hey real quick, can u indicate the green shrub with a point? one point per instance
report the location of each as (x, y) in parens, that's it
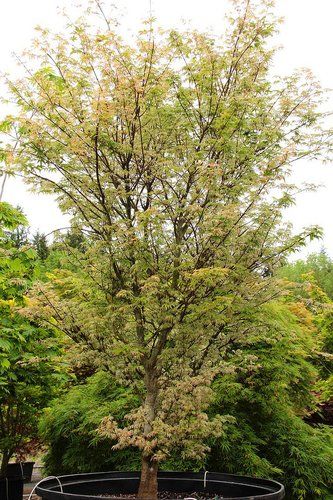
(268, 392)
(269, 401)
(277, 444)
(69, 426)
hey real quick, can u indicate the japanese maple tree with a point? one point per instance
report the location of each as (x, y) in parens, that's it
(172, 154)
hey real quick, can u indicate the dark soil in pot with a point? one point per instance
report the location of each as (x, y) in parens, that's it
(168, 495)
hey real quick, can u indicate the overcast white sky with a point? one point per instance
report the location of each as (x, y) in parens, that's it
(307, 41)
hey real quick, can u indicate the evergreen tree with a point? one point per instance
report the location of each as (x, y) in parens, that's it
(40, 244)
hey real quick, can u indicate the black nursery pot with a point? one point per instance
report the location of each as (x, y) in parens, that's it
(20, 469)
(108, 484)
(11, 488)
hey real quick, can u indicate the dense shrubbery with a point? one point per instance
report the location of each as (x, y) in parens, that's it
(270, 437)
(311, 290)
(30, 355)
(69, 428)
(267, 391)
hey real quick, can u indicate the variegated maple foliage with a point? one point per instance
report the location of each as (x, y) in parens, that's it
(172, 153)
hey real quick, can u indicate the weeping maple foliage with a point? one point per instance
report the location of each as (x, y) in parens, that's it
(172, 153)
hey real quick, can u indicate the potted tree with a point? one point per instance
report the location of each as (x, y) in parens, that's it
(171, 154)
(22, 465)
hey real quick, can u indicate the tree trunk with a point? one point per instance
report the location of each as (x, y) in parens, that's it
(4, 462)
(148, 480)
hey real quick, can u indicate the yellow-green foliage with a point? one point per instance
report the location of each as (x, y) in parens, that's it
(172, 154)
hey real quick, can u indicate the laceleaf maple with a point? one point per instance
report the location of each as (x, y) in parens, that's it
(172, 153)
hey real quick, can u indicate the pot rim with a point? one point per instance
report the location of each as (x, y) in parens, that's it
(272, 490)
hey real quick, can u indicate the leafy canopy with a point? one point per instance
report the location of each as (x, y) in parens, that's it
(172, 154)
(29, 366)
